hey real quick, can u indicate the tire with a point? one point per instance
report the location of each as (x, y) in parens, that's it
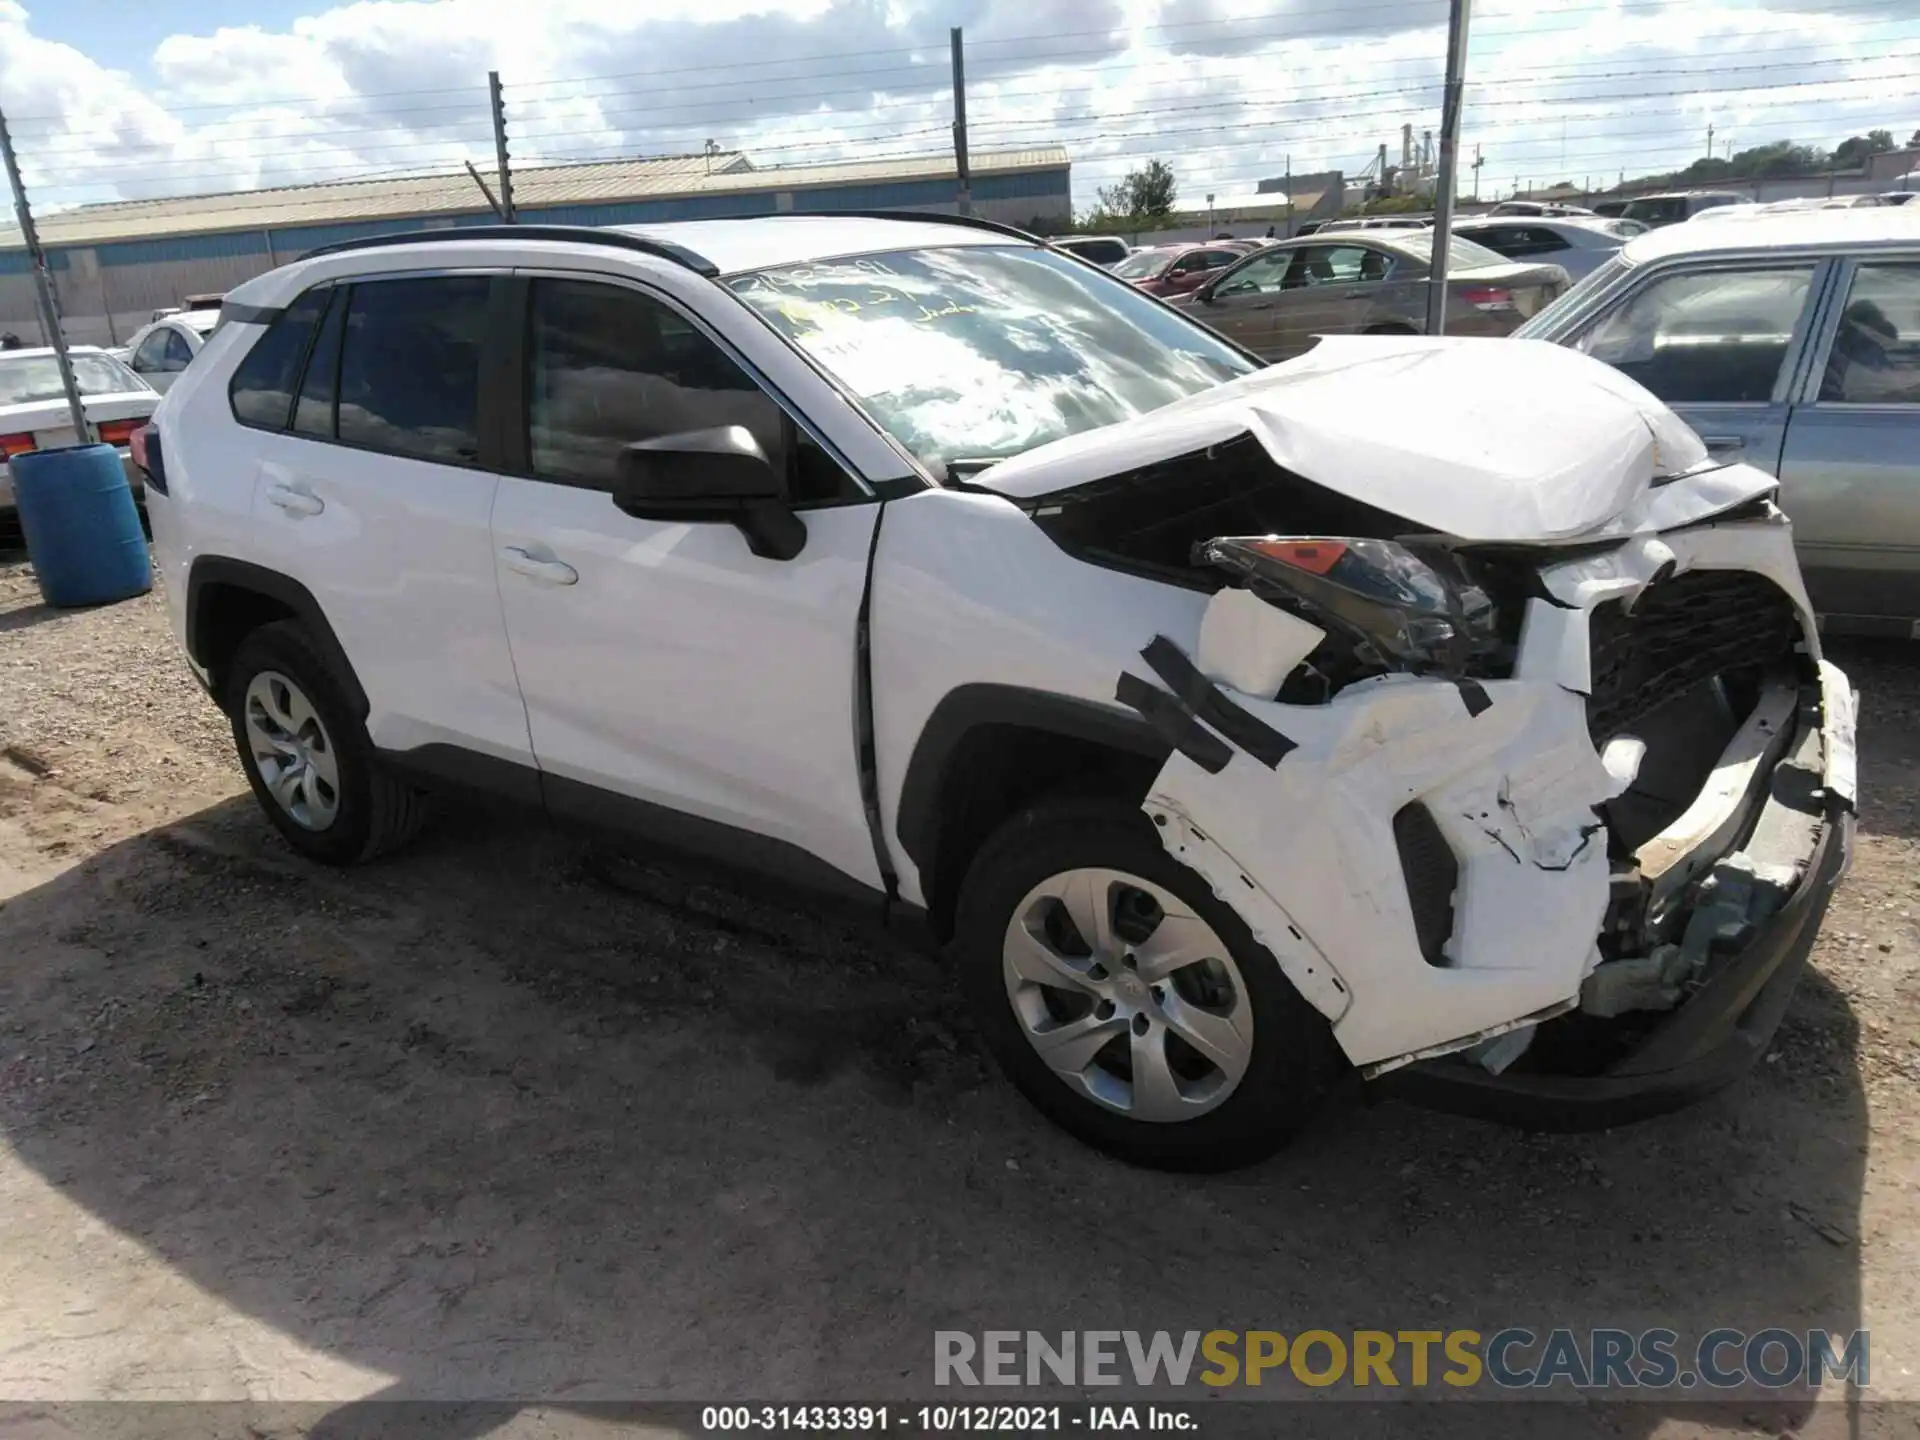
(342, 807)
(1213, 1120)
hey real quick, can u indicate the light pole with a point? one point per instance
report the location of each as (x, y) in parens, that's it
(1447, 181)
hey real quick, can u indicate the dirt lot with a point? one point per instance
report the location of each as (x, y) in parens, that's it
(507, 1117)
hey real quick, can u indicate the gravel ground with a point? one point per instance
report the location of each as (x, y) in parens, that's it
(509, 1117)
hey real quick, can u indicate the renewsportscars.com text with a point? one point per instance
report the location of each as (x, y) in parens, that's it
(1511, 1359)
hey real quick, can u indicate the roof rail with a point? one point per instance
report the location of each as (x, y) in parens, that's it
(578, 234)
(927, 217)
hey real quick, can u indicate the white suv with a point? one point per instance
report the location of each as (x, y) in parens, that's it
(1416, 701)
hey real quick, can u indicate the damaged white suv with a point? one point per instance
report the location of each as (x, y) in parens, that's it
(1237, 728)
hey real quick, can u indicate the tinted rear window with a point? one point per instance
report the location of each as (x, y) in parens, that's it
(262, 390)
(410, 367)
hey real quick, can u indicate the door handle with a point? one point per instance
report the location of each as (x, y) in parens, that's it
(1724, 442)
(1354, 295)
(296, 500)
(534, 567)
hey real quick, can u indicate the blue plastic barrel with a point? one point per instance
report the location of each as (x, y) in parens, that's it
(83, 532)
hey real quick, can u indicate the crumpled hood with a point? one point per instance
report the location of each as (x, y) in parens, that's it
(1484, 440)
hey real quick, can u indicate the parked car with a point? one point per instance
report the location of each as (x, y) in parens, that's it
(1658, 210)
(160, 350)
(1379, 222)
(1898, 197)
(1575, 245)
(1176, 269)
(1791, 342)
(1278, 301)
(1538, 207)
(1103, 250)
(34, 413)
(1610, 209)
(917, 562)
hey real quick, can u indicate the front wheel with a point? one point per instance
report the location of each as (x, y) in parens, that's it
(1126, 1001)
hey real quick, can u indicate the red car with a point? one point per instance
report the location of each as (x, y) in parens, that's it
(1176, 269)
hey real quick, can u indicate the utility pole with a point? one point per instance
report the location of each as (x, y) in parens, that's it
(1477, 163)
(1209, 215)
(505, 206)
(1709, 140)
(43, 290)
(1446, 180)
(1290, 194)
(961, 172)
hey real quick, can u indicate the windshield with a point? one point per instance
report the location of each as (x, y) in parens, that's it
(36, 377)
(981, 352)
(1143, 264)
(1461, 254)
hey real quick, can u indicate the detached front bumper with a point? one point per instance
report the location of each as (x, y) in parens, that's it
(1705, 1044)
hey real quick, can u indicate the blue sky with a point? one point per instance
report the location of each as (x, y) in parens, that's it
(124, 99)
(123, 34)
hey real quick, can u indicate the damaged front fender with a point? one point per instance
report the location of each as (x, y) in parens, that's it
(1435, 862)
(1308, 852)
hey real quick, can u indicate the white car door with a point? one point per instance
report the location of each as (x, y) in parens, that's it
(674, 680)
(371, 492)
(159, 354)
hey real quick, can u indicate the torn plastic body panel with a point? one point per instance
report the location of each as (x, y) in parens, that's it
(1558, 877)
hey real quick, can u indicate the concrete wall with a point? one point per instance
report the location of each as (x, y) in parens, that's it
(106, 292)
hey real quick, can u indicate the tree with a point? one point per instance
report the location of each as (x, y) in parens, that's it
(1915, 141)
(1854, 151)
(1144, 194)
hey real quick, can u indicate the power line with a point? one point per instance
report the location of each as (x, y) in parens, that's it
(935, 71)
(1549, 75)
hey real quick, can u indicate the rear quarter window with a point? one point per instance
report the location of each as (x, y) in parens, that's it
(261, 392)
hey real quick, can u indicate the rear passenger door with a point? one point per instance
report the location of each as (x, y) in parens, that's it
(675, 682)
(1724, 345)
(374, 491)
(1850, 474)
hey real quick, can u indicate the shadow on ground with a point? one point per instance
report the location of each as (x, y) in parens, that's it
(508, 1121)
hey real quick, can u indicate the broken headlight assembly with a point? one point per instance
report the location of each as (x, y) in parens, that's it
(1386, 605)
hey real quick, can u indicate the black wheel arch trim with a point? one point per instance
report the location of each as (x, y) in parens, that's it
(222, 570)
(967, 708)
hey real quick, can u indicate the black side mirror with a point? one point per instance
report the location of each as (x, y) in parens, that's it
(718, 474)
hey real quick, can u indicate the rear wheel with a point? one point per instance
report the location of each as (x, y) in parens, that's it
(307, 755)
(1126, 1001)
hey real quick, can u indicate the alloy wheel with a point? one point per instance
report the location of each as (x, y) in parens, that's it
(292, 750)
(1127, 995)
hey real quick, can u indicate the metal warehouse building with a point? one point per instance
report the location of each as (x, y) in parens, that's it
(115, 264)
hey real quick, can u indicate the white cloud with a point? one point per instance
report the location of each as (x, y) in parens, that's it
(1225, 90)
